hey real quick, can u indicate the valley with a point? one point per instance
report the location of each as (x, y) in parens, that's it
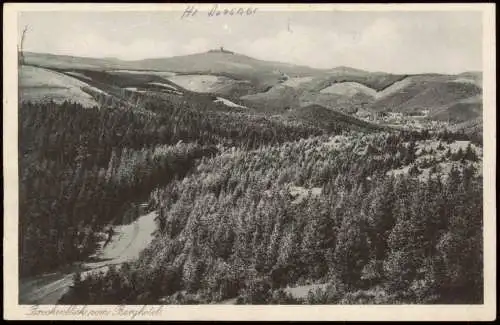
(232, 180)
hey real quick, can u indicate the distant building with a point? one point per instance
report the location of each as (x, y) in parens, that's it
(220, 50)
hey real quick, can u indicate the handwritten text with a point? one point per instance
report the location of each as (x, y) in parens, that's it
(216, 11)
(126, 312)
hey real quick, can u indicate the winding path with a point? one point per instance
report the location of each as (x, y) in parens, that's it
(126, 245)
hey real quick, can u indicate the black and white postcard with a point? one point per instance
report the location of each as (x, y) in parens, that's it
(249, 161)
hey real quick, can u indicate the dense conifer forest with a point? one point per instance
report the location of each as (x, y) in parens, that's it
(250, 205)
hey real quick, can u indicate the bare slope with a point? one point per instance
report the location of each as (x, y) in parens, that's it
(39, 84)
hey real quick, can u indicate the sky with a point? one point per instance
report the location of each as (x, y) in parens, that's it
(388, 41)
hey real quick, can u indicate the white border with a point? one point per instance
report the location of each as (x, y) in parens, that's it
(484, 312)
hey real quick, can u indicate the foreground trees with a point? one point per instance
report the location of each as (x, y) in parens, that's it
(81, 169)
(240, 227)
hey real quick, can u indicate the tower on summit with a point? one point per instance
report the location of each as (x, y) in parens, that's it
(221, 50)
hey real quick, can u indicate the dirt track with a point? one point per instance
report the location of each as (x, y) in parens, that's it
(125, 245)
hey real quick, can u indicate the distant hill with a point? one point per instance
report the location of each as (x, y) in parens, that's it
(71, 62)
(258, 74)
(472, 76)
(445, 97)
(223, 62)
(460, 111)
(347, 70)
(328, 119)
(343, 89)
(474, 126)
(39, 85)
(245, 75)
(279, 87)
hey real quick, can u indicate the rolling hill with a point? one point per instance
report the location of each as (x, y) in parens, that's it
(224, 62)
(424, 92)
(471, 127)
(39, 84)
(328, 119)
(460, 111)
(71, 62)
(275, 87)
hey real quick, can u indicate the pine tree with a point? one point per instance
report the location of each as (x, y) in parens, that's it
(381, 216)
(402, 262)
(351, 250)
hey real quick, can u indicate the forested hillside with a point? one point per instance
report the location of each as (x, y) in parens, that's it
(253, 203)
(82, 168)
(245, 224)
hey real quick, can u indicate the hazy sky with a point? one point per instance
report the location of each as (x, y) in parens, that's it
(400, 42)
